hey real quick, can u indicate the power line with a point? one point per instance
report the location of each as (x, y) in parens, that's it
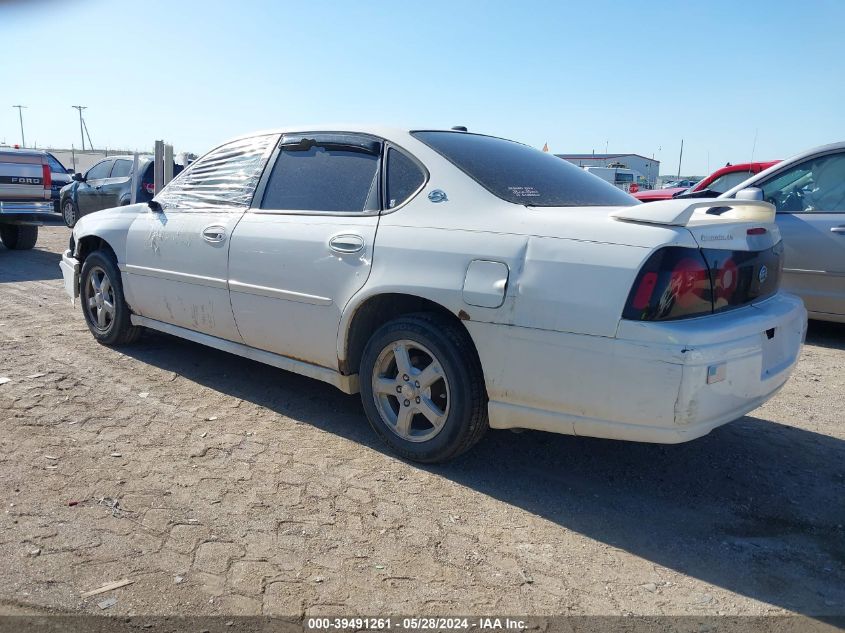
(20, 116)
(81, 134)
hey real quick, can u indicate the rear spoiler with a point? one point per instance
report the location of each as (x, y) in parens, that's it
(679, 212)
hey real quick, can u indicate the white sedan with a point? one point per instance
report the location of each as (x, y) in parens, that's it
(458, 281)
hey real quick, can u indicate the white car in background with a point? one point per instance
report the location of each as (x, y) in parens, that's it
(457, 280)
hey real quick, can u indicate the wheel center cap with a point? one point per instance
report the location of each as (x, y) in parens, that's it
(409, 391)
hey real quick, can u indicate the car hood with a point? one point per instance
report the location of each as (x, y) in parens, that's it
(124, 215)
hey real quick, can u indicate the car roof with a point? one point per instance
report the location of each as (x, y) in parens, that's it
(387, 132)
(128, 157)
(28, 152)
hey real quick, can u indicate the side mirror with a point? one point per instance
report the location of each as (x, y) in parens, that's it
(749, 193)
(78, 177)
(155, 207)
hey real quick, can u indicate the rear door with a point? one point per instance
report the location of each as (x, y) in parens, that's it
(88, 197)
(116, 184)
(810, 201)
(306, 246)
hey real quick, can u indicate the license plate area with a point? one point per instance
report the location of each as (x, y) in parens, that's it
(776, 352)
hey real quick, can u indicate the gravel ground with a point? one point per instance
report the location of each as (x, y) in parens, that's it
(222, 486)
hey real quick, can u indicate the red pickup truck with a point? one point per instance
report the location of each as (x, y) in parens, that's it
(716, 183)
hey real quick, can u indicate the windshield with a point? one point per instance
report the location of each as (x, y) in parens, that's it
(521, 174)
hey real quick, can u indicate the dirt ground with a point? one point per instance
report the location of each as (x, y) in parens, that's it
(222, 486)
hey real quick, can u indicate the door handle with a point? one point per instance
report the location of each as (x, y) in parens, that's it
(346, 243)
(838, 229)
(214, 234)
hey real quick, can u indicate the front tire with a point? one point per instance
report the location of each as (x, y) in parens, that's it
(103, 305)
(422, 388)
(70, 214)
(18, 237)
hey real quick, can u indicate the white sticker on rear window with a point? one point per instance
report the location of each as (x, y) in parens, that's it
(524, 192)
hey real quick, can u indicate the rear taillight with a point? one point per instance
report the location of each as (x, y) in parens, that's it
(46, 176)
(674, 283)
(678, 283)
(740, 277)
(149, 187)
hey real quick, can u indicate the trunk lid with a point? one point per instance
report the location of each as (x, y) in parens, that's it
(735, 225)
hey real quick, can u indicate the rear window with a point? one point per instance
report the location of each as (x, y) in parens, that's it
(521, 174)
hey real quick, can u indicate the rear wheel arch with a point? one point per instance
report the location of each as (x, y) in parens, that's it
(377, 310)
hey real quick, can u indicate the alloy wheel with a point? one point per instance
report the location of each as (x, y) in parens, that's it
(69, 213)
(99, 299)
(411, 391)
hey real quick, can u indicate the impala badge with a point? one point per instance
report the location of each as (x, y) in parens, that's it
(438, 195)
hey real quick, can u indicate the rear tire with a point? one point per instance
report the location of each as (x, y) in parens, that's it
(103, 305)
(423, 389)
(18, 237)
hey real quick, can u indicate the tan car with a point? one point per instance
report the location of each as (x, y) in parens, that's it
(808, 191)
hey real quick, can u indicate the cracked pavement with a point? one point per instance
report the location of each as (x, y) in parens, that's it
(222, 486)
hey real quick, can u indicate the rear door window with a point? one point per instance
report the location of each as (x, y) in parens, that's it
(404, 178)
(55, 166)
(324, 175)
(121, 168)
(521, 174)
(728, 181)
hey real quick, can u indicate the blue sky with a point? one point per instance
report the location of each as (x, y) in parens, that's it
(632, 76)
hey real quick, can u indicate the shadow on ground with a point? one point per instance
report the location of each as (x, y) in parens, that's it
(826, 334)
(29, 265)
(755, 507)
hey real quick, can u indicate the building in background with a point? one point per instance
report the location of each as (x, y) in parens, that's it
(648, 167)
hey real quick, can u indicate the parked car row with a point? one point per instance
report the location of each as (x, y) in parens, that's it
(715, 184)
(457, 281)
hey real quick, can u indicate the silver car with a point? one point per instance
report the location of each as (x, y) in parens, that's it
(808, 191)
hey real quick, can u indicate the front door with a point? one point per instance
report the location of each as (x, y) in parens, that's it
(810, 201)
(306, 247)
(177, 258)
(88, 192)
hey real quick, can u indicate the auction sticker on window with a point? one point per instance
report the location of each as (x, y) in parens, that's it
(524, 192)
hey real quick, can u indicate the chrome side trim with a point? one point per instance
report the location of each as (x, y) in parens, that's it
(278, 293)
(347, 384)
(172, 275)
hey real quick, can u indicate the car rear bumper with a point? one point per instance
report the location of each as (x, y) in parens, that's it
(26, 211)
(655, 382)
(70, 273)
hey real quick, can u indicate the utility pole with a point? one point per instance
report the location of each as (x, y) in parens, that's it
(81, 133)
(680, 158)
(20, 116)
